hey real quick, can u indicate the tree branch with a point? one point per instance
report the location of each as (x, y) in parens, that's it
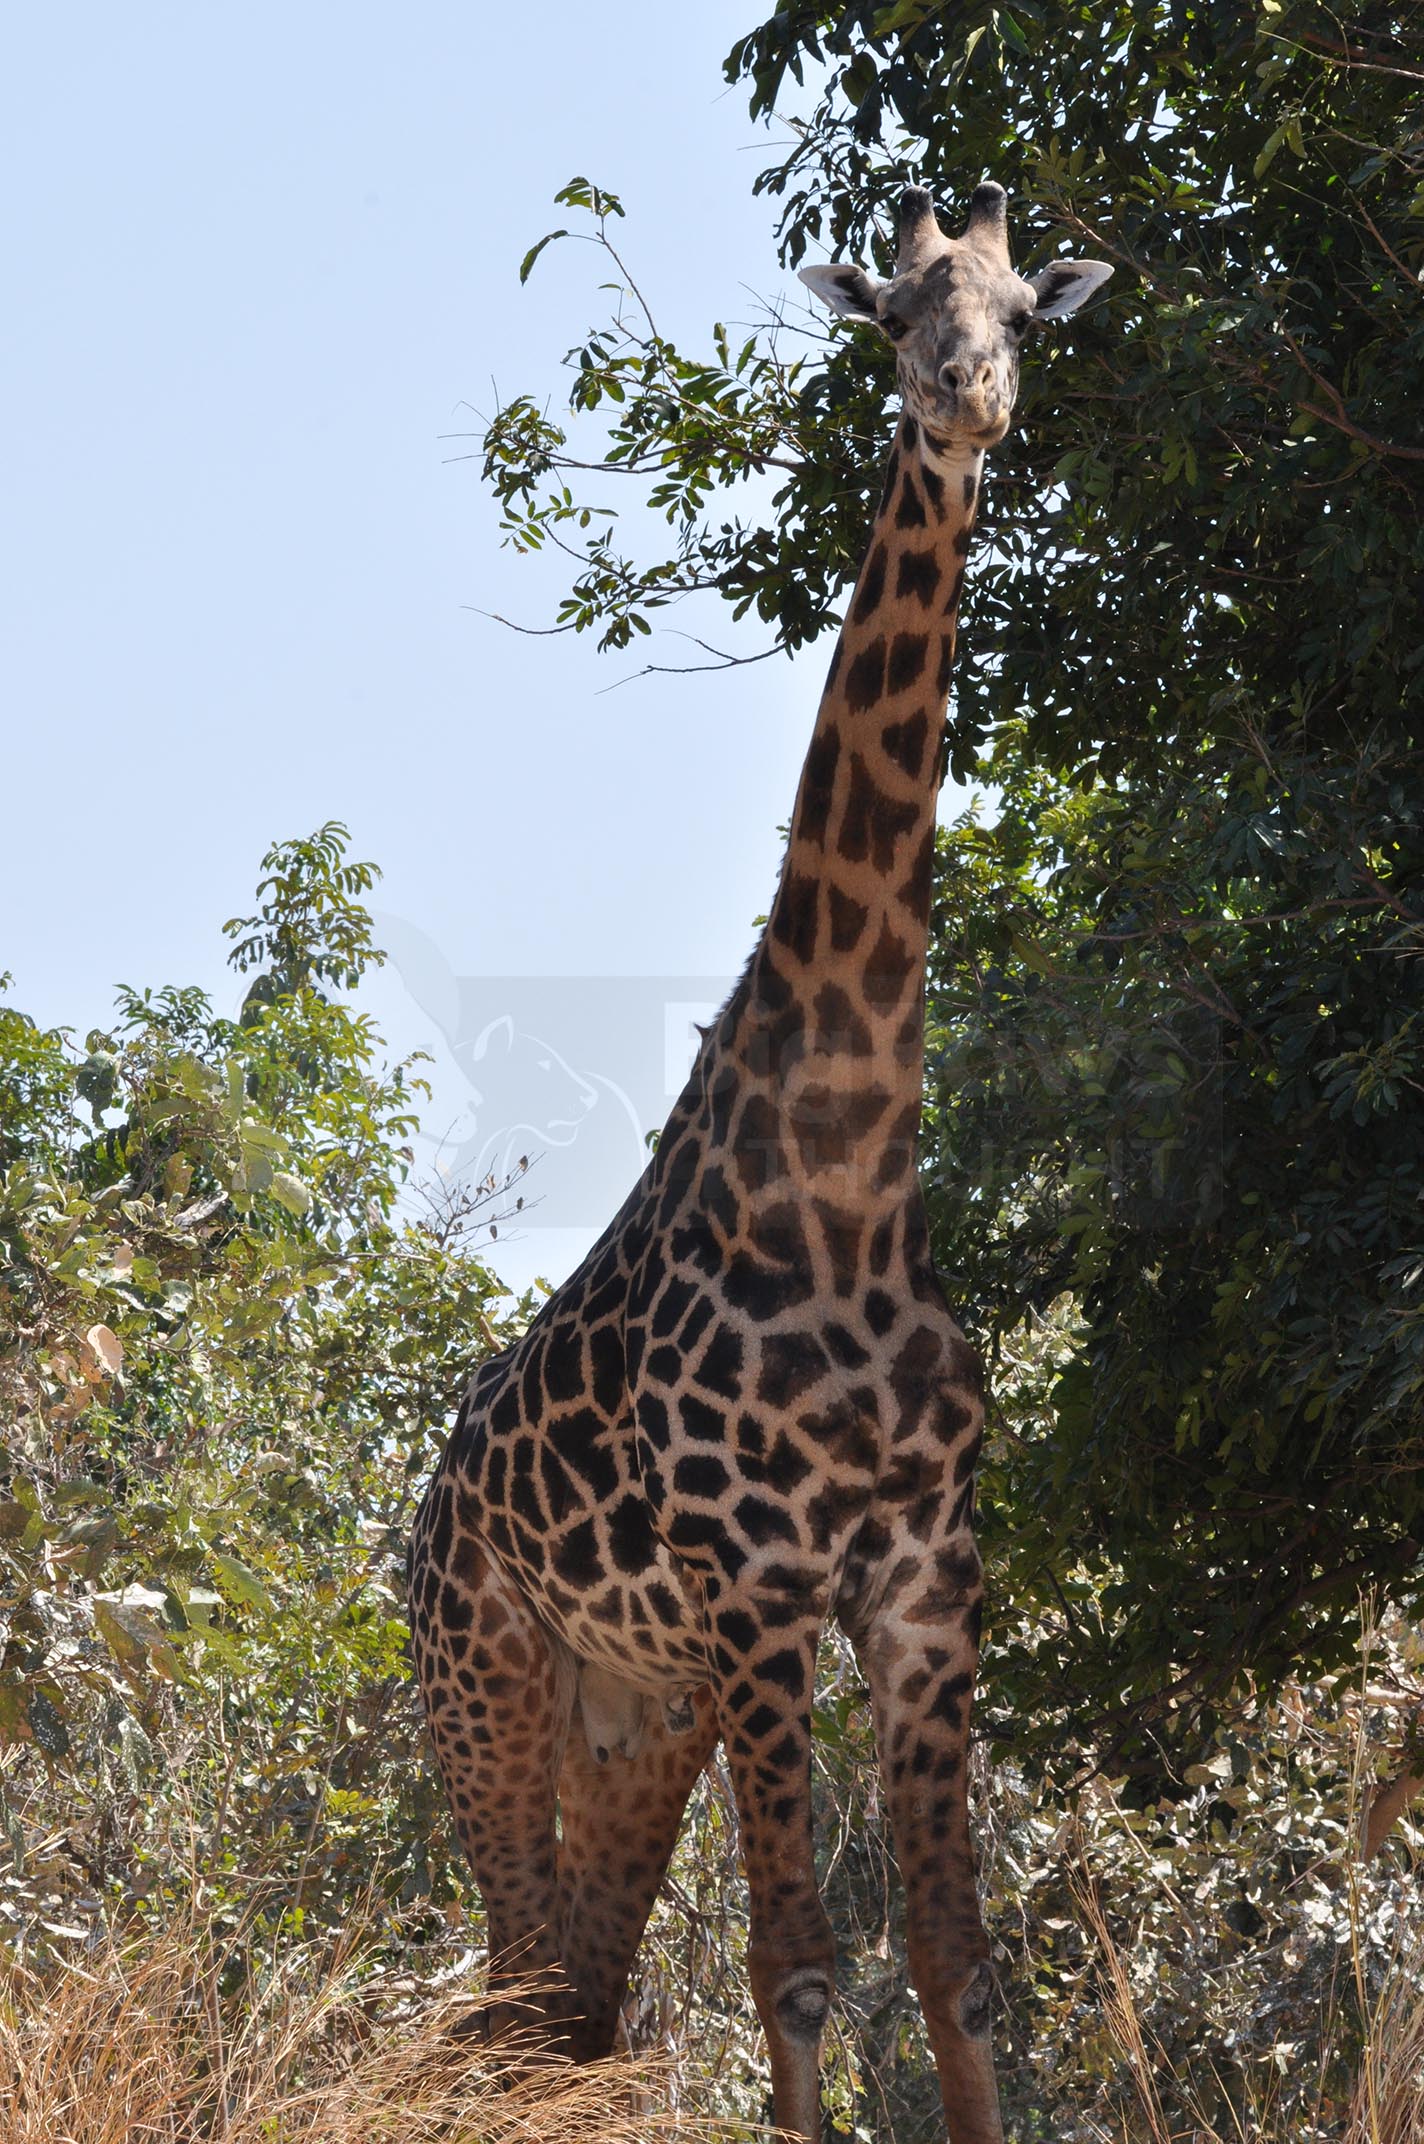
(1341, 419)
(1342, 55)
(535, 632)
(723, 662)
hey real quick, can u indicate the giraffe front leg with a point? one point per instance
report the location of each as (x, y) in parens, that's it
(919, 1653)
(761, 1645)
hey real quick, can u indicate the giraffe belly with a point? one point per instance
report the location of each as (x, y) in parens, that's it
(642, 1632)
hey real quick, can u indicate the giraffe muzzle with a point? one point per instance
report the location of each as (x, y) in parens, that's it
(973, 409)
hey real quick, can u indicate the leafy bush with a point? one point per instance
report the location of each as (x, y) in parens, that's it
(229, 1346)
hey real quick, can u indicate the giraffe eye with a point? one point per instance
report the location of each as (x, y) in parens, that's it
(894, 326)
(1020, 323)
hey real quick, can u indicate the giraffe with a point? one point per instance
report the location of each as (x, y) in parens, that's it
(750, 1408)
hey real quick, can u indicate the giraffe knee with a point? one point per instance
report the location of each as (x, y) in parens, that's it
(804, 2004)
(976, 2004)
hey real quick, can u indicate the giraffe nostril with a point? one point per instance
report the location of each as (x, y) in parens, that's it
(958, 374)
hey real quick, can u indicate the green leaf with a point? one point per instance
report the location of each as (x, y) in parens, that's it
(859, 78)
(96, 1081)
(127, 1644)
(291, 1192)
(14, 1709)
(240, 1585)
(535, 250)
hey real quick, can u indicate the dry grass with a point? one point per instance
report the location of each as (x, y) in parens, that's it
(1388, 2103)
(134, 2044)
(1389, 2089)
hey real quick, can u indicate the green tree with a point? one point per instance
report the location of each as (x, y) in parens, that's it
(1176, 1152)
(232, 1335)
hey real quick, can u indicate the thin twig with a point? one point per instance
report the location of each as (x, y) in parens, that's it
(535, 632)
(724, 662)
(1341, 56)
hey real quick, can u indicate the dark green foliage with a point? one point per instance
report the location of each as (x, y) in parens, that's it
(1171, 1129)
(1216, 478)
(1177, 1150)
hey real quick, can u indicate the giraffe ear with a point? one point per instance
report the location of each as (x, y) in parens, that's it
(846, 288)
(1062, 287)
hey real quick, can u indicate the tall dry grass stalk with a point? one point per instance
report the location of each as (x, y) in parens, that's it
(1120, 2008)
(1389, 2087)
(1388, 2100)
(134, 2044)
(1387, 2105)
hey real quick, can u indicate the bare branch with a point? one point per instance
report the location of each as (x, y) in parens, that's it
(535, 632)
(723, 662)
(1341, 55)
(1341, 419)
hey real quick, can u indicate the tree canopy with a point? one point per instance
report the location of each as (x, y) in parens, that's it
(1175, 1152)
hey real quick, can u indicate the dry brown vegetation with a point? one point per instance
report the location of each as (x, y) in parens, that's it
(1386, 2104)
(138, 2042)
(1170, 1978)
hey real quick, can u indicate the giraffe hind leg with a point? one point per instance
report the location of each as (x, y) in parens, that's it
(620, 1821)
(498, 1694)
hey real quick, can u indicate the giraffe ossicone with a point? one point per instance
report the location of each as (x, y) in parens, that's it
(750, 1408)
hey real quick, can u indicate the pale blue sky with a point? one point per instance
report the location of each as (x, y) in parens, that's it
(257, 260)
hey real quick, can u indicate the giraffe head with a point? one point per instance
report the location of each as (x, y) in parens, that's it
(957, 313)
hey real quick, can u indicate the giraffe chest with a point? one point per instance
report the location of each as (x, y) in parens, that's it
(777, 1429)
(725, 1414)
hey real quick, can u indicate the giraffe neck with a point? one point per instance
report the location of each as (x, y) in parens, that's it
(833, 1017)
